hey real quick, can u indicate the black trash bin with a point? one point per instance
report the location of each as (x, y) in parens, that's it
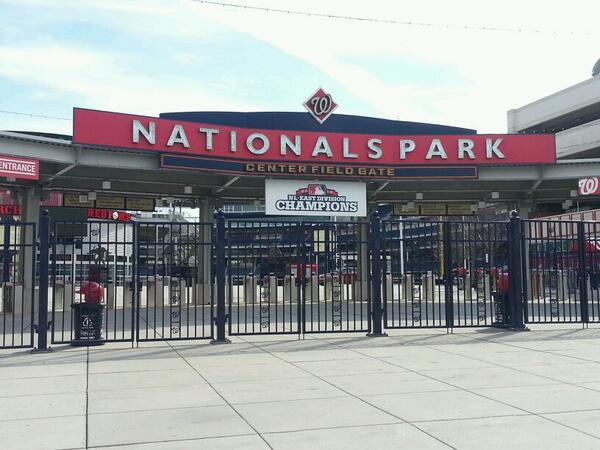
(88, 318)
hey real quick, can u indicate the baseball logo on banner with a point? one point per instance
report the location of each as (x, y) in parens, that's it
(588, 186)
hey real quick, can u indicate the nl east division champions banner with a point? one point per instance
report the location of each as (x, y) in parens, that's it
(315, 198)
(222, 148)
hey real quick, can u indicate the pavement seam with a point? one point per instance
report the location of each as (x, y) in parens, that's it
(220, 395)
(514, 368)
(341, 427)
(128, 444)
(547, 352)
(41, 418)
(355, 397)
(87, 403)
(475, 393)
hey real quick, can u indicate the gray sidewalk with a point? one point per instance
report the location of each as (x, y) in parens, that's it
(415, 390)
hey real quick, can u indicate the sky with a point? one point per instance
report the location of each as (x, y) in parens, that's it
(462, 63)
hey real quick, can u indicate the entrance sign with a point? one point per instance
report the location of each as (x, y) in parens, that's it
(225, 148)
(589, 186)
(315, 198)
(21, 168)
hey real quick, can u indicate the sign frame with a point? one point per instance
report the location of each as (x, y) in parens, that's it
(315, 198)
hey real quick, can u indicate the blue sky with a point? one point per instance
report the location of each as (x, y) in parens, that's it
(148, 56)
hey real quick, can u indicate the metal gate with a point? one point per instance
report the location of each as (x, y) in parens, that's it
(292, 277)
(158, 280)
(561, 271)
(18, 288)
(86, 254)
(443, 273)
(155, 279)
(174, 284)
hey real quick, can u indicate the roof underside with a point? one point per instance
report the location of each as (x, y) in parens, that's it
(68, 167)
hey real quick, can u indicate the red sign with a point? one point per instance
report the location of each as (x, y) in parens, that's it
(589, 186)
(10, 210)
(26, 169)
(221, 142)
(108, 214)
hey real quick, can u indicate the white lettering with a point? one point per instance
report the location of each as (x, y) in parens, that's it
(346, 149)
(493, 149)
(406, 146)
(250, 143)
(233, 142)
(295, 147)
(322, 147)
(465, 146)
(374, 148)
(149, 134)
(209, 136)
(178, 137)
(436, 149)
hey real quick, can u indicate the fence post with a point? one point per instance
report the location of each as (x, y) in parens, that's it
(515, 273)
(220, 266)
(376, 311)
(448, 281)
(582, 272)
(42, 325)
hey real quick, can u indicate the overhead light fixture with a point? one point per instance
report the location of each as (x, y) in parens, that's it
(106, 184)
(481, 204)
(574, 193)
(569, 203)
(91, 195)
(11, 179)
(495, 195)
(473, 207)
(419, 196)
(410, 205)
(83, 199)
(187, 190)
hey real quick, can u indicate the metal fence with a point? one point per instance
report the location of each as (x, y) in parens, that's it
(18, 289)
(155, 278)
(174, 283)
(442, 273)
(296, 277)
(164, 281)
(561, 271)
(90, 252)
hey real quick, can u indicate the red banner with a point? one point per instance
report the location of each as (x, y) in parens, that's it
(22, 168)
(117, 130)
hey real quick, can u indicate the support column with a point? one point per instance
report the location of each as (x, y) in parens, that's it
(524, 209)
(376, 306)
(362, 263)
(30, 212)
(221, 319)
(204, 276)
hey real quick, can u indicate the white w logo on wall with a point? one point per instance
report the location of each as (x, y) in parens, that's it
(588, 186)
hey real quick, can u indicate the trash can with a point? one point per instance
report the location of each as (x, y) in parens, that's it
(88, 318)
(88, 315)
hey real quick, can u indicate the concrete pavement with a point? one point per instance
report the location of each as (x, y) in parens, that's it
(414, 389)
